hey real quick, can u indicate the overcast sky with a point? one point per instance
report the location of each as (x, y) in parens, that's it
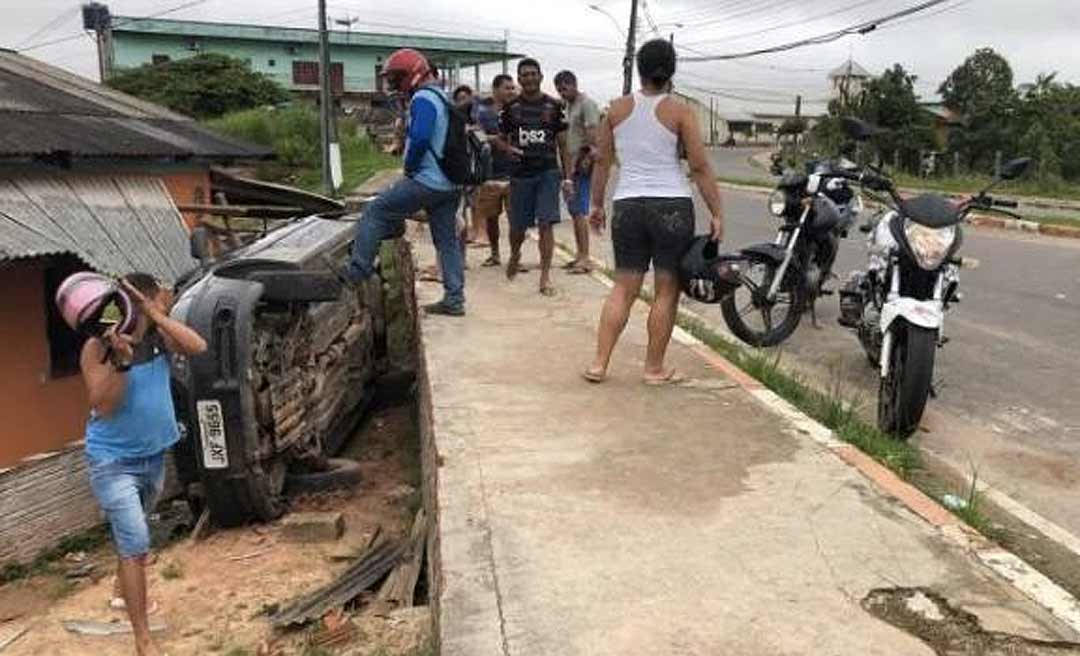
(1035, 35)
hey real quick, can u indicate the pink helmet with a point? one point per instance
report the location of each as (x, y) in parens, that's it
(83, 299)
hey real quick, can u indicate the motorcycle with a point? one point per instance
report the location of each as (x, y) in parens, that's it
(815, 208)
(897, 306)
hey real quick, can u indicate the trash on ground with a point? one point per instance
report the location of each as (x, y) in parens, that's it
(953, 502)
(95, 628)
(372, 567)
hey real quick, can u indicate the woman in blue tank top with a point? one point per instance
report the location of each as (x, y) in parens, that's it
(131, 425)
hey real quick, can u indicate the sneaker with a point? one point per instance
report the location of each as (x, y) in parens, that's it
(441, 308)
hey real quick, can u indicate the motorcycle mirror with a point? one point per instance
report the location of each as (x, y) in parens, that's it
(857, 129)
(1014, 168)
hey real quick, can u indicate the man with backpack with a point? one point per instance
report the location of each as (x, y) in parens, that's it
(436, 145)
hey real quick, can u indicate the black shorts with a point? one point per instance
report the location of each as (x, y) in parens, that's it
(656, 230)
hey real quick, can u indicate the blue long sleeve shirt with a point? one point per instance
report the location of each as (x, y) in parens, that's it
(426, 139)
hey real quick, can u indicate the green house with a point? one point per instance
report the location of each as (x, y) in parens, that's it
(291, 55)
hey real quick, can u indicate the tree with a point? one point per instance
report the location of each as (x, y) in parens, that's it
(981, 91)
(889, 101)
(792, 126)
(205, 86)
(1048, 122)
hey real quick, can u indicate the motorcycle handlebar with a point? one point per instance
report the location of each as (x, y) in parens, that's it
(1012, 204)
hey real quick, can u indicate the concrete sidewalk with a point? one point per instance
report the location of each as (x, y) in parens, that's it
(623, 519)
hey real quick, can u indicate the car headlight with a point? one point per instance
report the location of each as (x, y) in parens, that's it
(930, 246)
(777, 203)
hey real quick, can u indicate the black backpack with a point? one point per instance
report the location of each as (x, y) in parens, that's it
(466, 157)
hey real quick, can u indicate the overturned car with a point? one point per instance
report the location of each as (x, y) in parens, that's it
(294, 350)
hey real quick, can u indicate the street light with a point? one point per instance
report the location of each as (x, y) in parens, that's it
(614, 21)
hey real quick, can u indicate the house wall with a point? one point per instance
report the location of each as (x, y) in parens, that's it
(189, 187)
(273, 59)
(40, 413)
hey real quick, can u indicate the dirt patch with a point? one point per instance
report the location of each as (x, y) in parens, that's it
(950, 631)
(214, 594)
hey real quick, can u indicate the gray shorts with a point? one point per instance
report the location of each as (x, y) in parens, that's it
(652, 230)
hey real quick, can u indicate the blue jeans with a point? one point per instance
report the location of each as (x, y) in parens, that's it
(126, 490)
(384, 218)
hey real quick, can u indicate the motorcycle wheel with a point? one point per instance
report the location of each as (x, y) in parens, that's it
(748, 301)
(903, 393)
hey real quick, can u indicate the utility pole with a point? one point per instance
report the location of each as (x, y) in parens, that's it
(798, 119)
(506, 49)
(331, 155)
(628, 60)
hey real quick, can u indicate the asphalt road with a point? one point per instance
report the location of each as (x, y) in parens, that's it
(735, 163)
(1009, 380)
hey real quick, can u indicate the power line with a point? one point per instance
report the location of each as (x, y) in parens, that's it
(53, 23)
(72, 37)
(796, 23)
(864, 27)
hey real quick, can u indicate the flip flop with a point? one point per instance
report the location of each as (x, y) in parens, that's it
(579, 270)
(491, 262)
(593, 377)
(570, 265)
(672, 377)
(118, 604)
(550, 292)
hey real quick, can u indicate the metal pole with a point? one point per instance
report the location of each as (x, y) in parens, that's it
(506, 51)
(628, 60)
(325, 109)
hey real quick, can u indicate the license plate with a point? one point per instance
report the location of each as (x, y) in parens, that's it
(212, 429)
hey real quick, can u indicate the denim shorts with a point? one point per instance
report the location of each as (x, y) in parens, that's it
(652, 230)
(535, 199)
(579, 202)
(127, 490)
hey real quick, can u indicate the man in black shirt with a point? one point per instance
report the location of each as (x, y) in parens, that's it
(533, 131)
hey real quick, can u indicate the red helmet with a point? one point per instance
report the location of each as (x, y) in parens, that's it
(405, 69)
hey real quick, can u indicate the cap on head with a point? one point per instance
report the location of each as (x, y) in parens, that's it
(405, 69)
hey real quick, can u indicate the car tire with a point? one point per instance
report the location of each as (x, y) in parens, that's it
(341, 474)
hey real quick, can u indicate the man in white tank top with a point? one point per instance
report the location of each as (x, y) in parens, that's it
(653, 222)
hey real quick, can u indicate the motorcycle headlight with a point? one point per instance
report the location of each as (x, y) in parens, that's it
(777, 203)
(930, 246)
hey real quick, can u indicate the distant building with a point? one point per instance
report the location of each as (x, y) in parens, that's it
(848, 79)
(945, 121)
(290, 55)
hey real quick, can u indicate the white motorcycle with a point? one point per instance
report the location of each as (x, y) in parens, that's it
(897, 306)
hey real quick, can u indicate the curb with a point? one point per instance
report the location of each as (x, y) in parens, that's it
(979, 221)
(1025, 578)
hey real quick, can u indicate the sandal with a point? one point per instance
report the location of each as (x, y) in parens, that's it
(579, 270)
(594, 377)
(491, 262)
(118, 604)
(672, 377)
(549, 291)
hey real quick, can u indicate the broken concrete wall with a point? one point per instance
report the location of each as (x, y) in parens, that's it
(47, 498)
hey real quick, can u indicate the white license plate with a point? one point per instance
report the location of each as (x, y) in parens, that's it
(212, 429)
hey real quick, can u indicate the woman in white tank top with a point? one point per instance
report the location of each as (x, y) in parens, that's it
(653, 220)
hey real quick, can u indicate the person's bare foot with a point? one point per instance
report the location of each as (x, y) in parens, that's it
(513, 267)
(147, 648)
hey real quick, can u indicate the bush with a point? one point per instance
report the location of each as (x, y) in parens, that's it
(203, 86)
(293, 133)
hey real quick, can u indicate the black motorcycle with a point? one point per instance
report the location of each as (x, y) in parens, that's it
(783, 279)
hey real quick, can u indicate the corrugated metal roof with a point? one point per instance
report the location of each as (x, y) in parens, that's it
(116, 224)
(46, 112)
(850, 68)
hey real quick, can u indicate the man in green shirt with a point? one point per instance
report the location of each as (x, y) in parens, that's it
(582, 119)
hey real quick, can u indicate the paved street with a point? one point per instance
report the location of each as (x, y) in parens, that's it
(735, 163)
(1008, 405)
